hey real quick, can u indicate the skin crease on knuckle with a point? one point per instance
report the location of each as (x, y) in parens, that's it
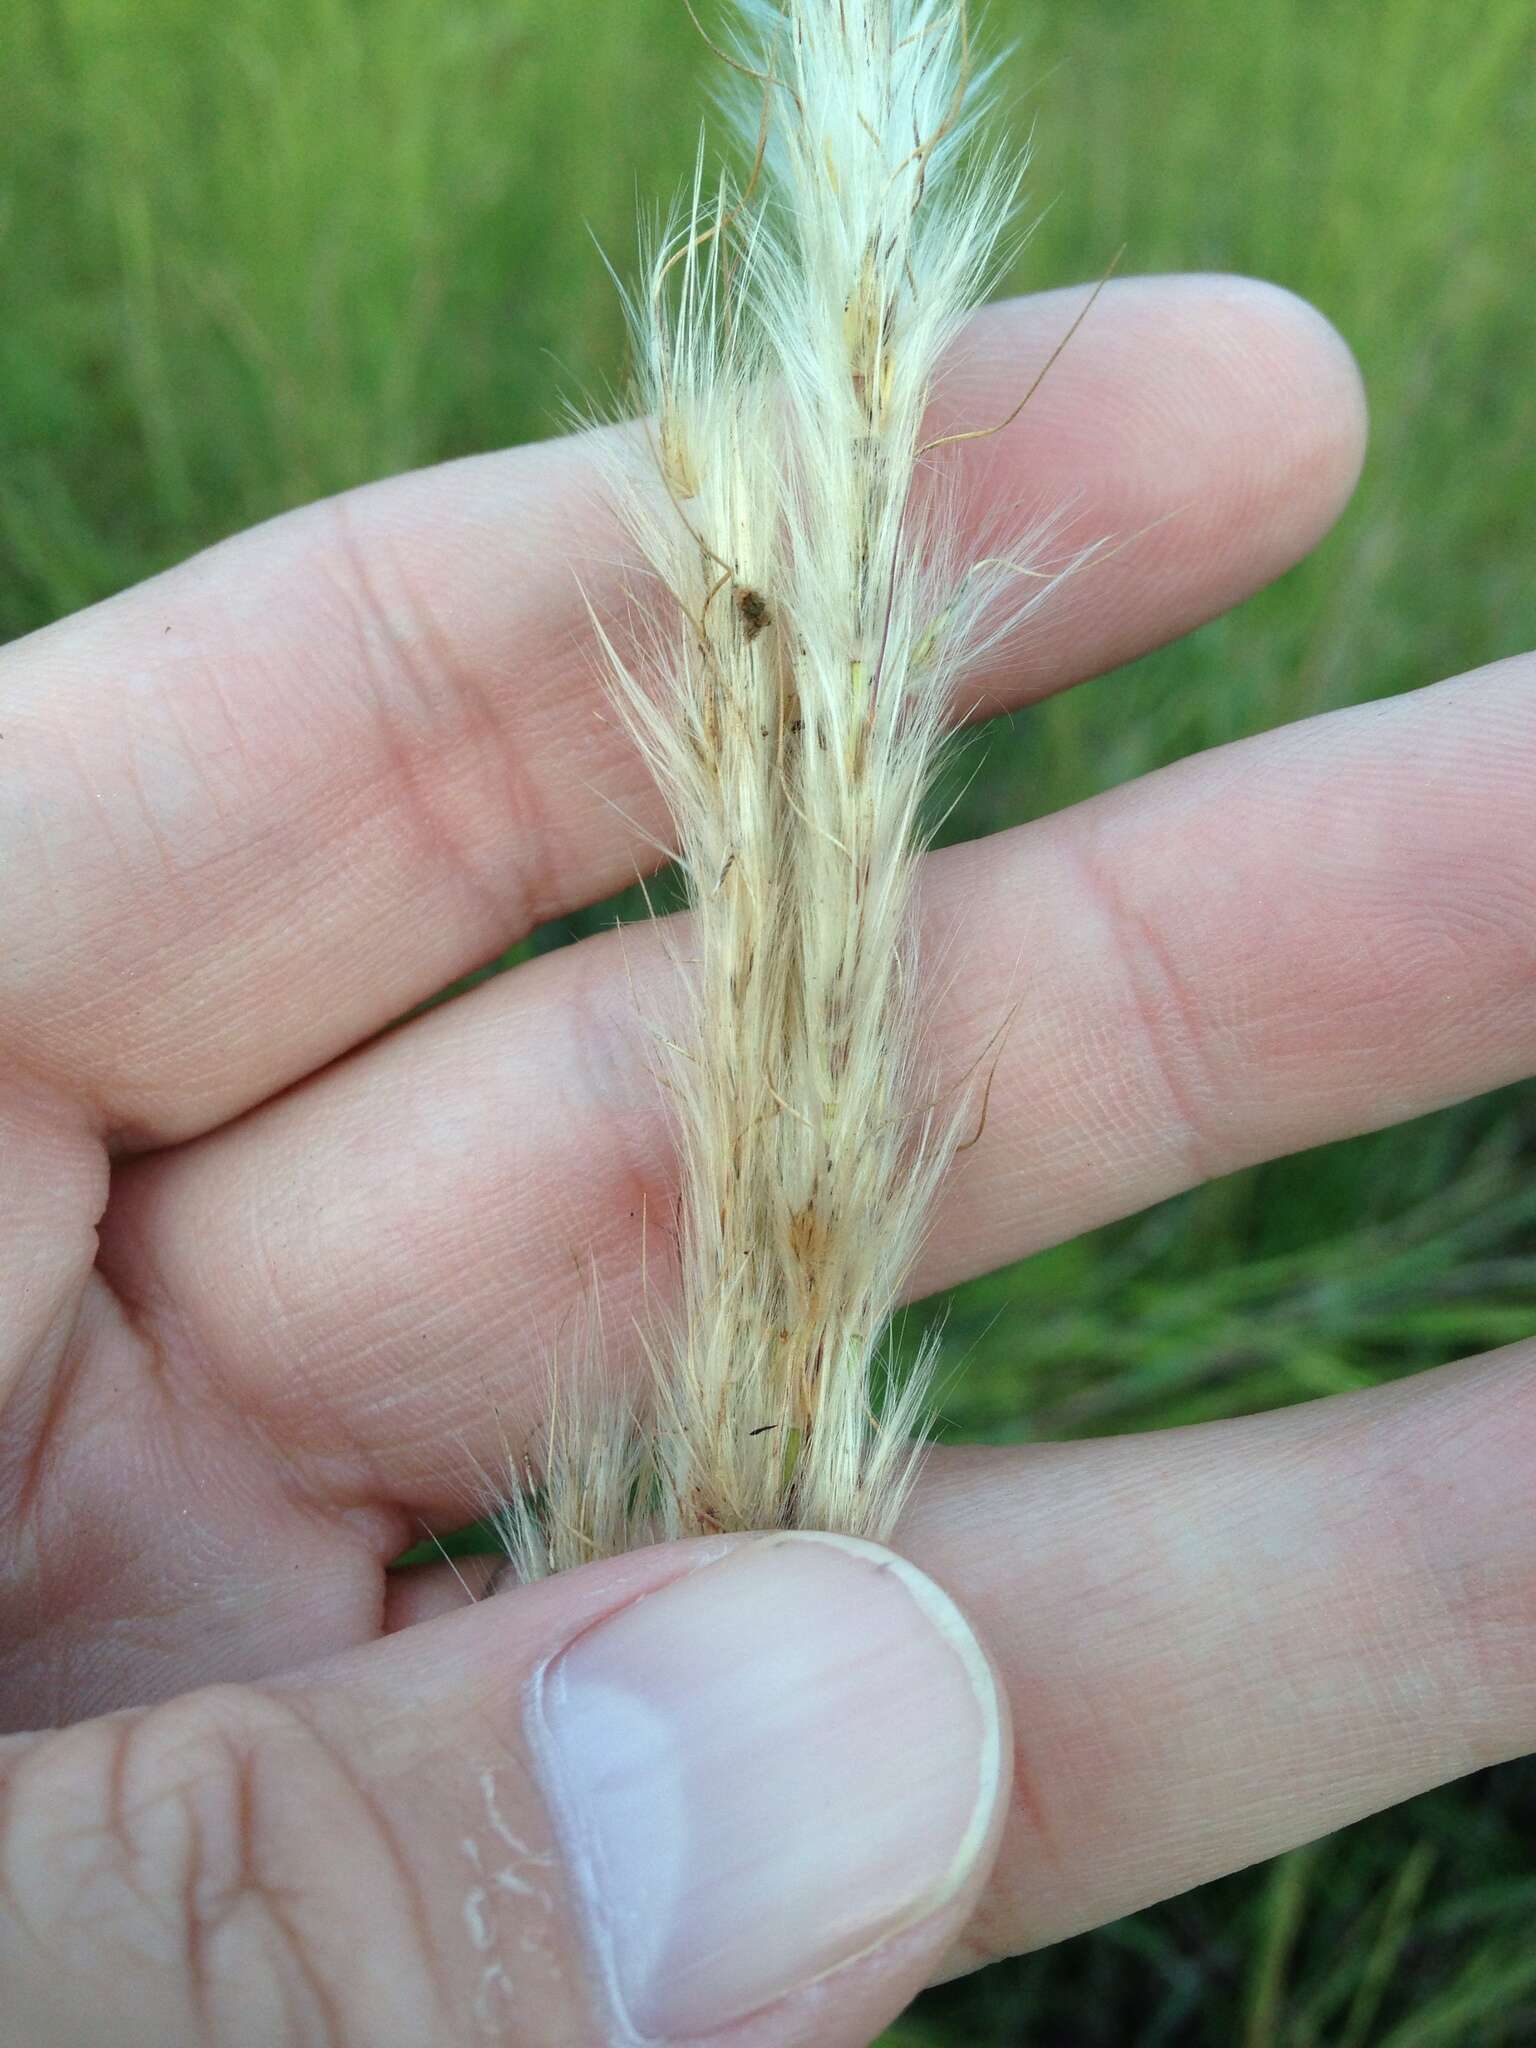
(208, 1873)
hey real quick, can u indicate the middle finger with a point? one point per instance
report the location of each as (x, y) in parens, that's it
(1322, 930)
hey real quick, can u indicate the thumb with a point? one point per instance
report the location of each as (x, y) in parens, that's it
(742, 1793)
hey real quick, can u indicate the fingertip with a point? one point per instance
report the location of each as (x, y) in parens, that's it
(780, 1782)
(1196, 434)
(1301, 370)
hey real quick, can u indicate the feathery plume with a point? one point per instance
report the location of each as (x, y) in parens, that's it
(817, 620)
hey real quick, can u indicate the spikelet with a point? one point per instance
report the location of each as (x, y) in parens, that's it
(814, 629)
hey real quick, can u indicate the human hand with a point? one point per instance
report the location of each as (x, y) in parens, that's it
(256, 809)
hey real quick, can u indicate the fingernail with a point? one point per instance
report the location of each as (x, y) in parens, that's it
(763, 1771)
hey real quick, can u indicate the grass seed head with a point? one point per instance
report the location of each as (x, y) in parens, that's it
(820, 617)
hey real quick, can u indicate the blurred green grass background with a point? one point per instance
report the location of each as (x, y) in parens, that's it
(258, 251)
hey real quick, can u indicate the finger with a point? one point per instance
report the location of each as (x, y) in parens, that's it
(735, 1795)
(1221, 1642)
(1279, 943)
(425, 1591)
(255, 809)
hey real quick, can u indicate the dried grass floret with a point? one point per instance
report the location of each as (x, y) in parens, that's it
(819, 618)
